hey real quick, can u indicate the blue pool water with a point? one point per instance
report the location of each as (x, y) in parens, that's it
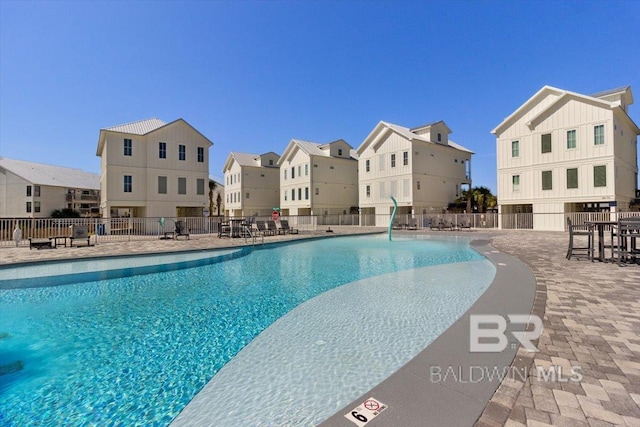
(135, 350)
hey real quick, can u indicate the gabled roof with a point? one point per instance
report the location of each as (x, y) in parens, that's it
(310, 148)
(55, 176)
(562, 96)
(141, 127)
(243, 159)
(428, 125)
(376, 136)
(610, 92)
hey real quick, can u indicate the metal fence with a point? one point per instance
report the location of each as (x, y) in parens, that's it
(122, 229)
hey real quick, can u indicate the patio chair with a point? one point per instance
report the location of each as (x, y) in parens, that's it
(79, 232)
(284, 224)
(273, 228)
(448, 224)
(435, 224)
(580, 231)
(413, 224)
(465, 224)
(628, 232)
(181, 230)
(262, 228)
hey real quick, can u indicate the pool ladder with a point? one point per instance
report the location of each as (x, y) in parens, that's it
(248, 234)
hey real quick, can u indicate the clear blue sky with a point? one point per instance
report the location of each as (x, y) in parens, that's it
(253, 75)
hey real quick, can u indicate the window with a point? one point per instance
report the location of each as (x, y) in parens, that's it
(572, 178)
(546, 143)
(405, 158)
(28, 191)
(367, 165)
(600, 176)
(368, 190)
(162, 185)
(293, 172)
(200, 154)
(598, 135)
(36, 207)
(331, 167)
(515, 182)
(439, 137)
(547, 180)
(128, 147)
(270, 162)
(299, 193)
(182, 152)
(393, 160)
(571, 139)
(306, 193)
(36, 191)
(162, 150)
(306, 170)
(317, 191)
(418, 185)
(339, 151)
(200, 187)
(293, 194)
(381, 162)
(128, 184)
(515, 148)
(299, 170)
(182, 185)
(246, 195)
(285, 195)
(285, 174)
(28, 207)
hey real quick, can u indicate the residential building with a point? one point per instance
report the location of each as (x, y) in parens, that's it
(563, 152)
(153, 169)
(251, 184)
(318, 179)
(217, 199)
(35, 190)
(421, 168)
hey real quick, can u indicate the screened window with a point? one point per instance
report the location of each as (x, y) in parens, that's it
(572, 178)
(546, 143)
(405, 158)
(515, 148)
(200, 154)
(600, 176)
(36, 207)
(200, 187)
(128, 147)
(36, 191)
(598, 135)
(162, 150)
(162, 185)
(571, 138)
(182, 152)
(182, 185)
(393, 160)
(547, 180)
(515, 181)
(128, 183)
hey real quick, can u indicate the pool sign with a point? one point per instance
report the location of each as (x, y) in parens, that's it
(365, 412)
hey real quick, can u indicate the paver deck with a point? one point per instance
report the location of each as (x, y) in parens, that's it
(591, 314)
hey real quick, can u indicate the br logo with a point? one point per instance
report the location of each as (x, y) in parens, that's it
(487, 332)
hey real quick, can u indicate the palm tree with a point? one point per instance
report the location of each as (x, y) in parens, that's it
(212, 186)
(218, 203)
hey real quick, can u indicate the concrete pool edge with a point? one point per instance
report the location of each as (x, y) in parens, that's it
(415, 397)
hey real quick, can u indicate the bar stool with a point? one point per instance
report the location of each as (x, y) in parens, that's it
(580, 230)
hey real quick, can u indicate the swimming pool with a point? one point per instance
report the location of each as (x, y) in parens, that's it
(136, 350)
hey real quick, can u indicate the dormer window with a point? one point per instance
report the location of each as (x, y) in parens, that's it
(439, 137)
(339, 151)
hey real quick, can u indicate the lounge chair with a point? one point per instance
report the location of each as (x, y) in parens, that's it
(448, 224)
(39, 243)
(79, 232)
(465, 224)
(181, 230)
(271, 225)
(435, 224)
(284, 225)
(262, 228)
(413, 224)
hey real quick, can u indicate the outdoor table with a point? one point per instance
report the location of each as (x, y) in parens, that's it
(600, 226)
(56, 240)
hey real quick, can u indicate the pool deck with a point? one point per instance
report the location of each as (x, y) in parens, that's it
(591, 317)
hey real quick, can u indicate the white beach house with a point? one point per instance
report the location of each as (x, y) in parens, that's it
(35, 190)
(563, 152)
(151, 169)
(318, 179)
(251, 184)
(421, 168)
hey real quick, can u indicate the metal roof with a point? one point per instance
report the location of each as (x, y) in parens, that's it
(141, 127)
(246, 159)
(56, 176)
(610, 92)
